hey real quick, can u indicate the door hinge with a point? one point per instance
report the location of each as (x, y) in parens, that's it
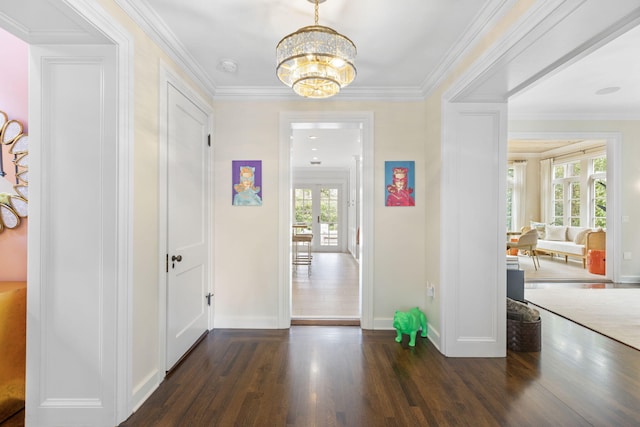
(209, 140)
(208, 297)
(167, 263)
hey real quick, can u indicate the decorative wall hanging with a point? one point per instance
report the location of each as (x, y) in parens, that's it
(400, 183)
(247, 182)
(13, 207)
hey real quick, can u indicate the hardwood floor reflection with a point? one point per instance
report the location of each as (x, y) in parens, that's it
(329, 376)
(331, 291)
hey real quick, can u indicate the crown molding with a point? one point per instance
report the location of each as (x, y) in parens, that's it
(486, 20)
(149, 21)
(575, 116)
(283, 93)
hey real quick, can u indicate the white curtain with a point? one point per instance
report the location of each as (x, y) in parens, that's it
(519, 191)
(545, 190)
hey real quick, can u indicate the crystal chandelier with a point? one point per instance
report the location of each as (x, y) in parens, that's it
(316, 61)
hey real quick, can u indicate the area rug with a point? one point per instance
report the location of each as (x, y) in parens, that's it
(611, 312)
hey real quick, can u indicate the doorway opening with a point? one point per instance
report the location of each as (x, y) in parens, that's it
(577, 194)
(326, 251)
(325, 159)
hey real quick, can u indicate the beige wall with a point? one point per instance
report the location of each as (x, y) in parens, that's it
(246, 242)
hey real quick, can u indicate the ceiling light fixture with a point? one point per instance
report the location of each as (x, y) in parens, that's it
(316, 61)
(608, 90)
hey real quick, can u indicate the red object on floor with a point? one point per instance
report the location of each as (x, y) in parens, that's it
(513, 251)
(596, 261)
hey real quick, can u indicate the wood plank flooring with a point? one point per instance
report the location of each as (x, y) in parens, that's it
(344, 376)
(331, 291)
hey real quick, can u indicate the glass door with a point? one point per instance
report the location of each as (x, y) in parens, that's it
(317, 210)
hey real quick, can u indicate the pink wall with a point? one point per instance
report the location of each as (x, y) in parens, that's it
(14, 91)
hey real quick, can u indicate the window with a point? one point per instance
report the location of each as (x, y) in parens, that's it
(598, 193)
(510, 198)
(303, 205)
(580, 192)
(566, 193)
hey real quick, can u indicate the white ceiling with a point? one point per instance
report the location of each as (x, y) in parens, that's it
(572, 92)
(404, 49)
(402, 45)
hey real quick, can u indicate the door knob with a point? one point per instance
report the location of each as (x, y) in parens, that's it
(175, 259)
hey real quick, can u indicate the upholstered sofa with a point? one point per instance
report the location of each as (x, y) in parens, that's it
(575, 242)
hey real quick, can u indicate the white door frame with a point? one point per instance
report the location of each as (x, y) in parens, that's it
(168, 78)
(365, 121)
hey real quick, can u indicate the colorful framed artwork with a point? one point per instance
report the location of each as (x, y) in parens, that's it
(399, 183)
(247, 182)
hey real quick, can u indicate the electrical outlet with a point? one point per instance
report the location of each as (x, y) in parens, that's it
(626, 256)
(431, 290)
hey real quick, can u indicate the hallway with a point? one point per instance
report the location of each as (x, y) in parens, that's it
(330, 291)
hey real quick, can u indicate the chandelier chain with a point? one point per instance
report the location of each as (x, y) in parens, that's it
(317, 14)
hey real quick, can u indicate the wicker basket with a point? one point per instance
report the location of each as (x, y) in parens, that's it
(521, 335)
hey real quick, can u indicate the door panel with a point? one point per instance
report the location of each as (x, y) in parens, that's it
(187, 232)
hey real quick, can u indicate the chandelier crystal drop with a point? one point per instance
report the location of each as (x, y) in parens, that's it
(316, 61)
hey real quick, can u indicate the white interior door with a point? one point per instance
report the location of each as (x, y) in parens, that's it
(320, 207)
(187, 234)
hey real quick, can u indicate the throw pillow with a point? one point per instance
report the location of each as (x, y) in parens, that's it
(581, 237)
(540, 228)
(556, 232)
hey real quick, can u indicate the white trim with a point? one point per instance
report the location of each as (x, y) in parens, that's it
(485, 21)
(458, 339)
(365, 121)
(166, 78)
(614, 184)
(145, 389)
(534, 17)
(97, 17)
(149, 21)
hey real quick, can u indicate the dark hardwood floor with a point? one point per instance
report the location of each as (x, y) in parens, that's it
(344, 376)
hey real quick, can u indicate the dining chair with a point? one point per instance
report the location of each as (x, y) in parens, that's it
(527, 242)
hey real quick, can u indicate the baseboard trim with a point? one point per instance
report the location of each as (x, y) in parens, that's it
(325, 322)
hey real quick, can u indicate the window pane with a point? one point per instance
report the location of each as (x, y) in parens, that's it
(558, 210)
(509, 208)
(575, 190)
(600, 164)
(574, 169)
(303, 206)
(558, 171)
(558, 191)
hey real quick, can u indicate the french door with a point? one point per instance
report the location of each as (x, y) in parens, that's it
(319, 208)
